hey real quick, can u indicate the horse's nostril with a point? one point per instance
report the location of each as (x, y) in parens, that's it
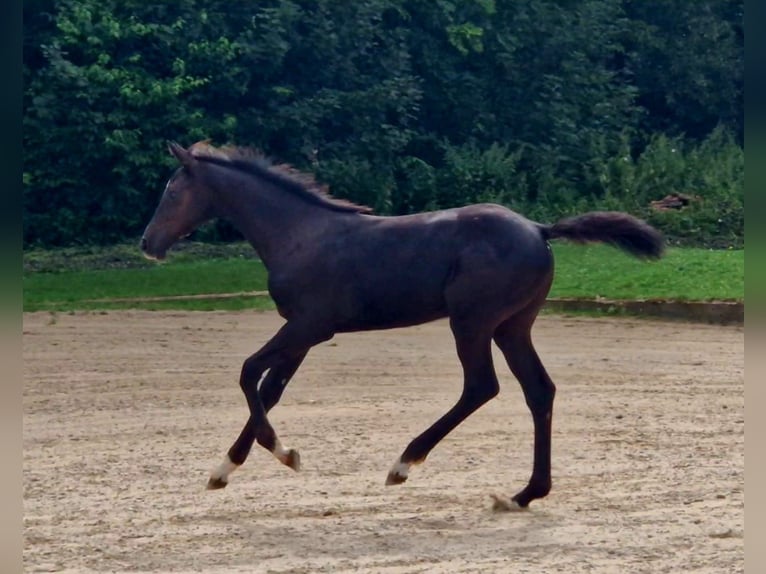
(143, 244)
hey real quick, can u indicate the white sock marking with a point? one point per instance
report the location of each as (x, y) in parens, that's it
(400, 468)
(224, 469)
(503, 504)
(280, 452)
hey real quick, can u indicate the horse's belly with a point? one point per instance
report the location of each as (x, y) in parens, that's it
(391, 309)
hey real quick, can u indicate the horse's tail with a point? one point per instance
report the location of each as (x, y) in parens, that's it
(615, 227)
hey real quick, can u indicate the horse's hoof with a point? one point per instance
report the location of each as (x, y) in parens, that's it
(216, 483)
(395, 478)
(398, 473)
(293, 460)
(502, 504)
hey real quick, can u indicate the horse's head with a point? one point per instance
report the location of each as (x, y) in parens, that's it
(183, 207)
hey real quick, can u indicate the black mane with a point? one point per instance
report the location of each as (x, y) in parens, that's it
(282, 175)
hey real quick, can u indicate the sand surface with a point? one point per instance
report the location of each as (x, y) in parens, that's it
(126, 413)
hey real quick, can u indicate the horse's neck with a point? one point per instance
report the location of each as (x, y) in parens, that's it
(272, 220)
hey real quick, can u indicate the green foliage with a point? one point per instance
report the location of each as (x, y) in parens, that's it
(126, 256)
(549, 107)
(686, 60)
(711, 173)
(112, 87)
(473, 175)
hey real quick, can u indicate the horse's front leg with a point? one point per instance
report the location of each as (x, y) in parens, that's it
(270, 391)
(282, 355)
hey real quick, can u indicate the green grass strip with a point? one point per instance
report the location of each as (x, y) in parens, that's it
(73, 290)
(586, 272)
(687, 274)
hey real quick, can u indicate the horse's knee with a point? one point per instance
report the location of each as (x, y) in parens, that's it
(250, 374)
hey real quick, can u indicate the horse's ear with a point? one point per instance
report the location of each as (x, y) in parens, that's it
(182, 154)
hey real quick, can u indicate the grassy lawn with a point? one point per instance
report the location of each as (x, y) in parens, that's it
(70, 290)
(588, 272)
(66, 280)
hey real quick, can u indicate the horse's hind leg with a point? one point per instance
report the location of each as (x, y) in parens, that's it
(513, 338)
(270, 392)
(474, 347)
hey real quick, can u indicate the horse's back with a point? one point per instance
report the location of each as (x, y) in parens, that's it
(435, 242)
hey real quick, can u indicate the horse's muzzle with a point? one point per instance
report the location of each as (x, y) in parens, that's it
(144, 245)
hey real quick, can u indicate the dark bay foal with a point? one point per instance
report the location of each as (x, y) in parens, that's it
(334, 267)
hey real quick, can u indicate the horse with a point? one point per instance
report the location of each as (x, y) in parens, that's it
(336, 267)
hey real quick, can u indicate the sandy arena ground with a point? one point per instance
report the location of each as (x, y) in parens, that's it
(126, 413)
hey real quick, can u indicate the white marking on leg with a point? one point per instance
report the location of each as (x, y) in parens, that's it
(280, 452)
(503, 504)
(400, 469)
(223, 470)
(287, 456)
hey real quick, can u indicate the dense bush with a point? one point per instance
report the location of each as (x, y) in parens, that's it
(712, 173)
(548, 107)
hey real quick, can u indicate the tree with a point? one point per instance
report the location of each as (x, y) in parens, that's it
(404, 105)
(687, 62)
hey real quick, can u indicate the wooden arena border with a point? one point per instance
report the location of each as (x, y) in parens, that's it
(714, 312)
